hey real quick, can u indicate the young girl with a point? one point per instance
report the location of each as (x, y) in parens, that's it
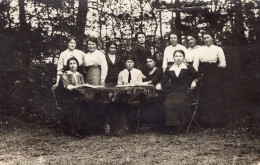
(130, 75)
(72, 79)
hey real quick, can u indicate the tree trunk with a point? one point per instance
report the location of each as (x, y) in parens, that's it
(238, 30)
(81, 22)
(178, 20)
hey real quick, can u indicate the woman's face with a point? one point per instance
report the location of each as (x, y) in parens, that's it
(73, 65)
(141, 39)
(92, 46)
(173, 39)
(129, 64)
(191, 41)
(178, 58)
(112, 49)
(72, 44)
(150, 63)
(208, 40)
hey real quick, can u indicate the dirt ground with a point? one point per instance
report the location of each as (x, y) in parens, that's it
(26, 144)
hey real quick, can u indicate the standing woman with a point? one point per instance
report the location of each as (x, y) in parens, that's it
(95, 64)
(114, 63)
(211, 64)
(192, 52)
(64, 56)
(169, 50)
(178, 100)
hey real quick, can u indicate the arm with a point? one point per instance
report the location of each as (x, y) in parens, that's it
(104, 68)
(221, 57)
(164, 80)
(196, 62)
(120, 79)
(197, 77)
(165, 60)
(59, 71)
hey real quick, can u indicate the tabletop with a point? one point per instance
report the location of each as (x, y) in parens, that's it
(117, 94)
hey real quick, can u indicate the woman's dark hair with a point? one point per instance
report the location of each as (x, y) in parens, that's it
(209, 33)
(136, 35)
(179, 51)
(193, 35)
(129, 57)
(109, 44)
(93, 39)
(154, 58)
(72, 59)
(68, 39)
(170, 35)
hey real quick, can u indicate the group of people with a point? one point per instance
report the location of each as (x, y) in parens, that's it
(182, 69)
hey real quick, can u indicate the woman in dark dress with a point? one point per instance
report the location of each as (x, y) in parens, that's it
(114, 64)
(178, 100)
(151, 113)
(154, 75)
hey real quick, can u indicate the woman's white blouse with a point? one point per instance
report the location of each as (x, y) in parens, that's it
(67, 54)
(136, 76)
(96, 58)
(192, 55)
(210, 54)
(168, 54)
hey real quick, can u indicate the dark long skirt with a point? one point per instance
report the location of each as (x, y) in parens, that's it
(177, 109)
(211, 105)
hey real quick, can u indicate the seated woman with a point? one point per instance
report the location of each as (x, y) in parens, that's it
(178, 100)
(130, 75)
(72, 79)
(95, 64)
(155, 74)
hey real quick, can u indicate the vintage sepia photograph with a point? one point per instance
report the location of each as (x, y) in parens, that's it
(167, 82)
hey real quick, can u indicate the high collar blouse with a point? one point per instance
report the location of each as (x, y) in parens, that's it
(67, 54)
(96, 58)
(210, 54)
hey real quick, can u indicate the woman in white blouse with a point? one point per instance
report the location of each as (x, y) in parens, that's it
(169, 50)
(95, 64)
(130, 75)
(211, 64)
(192, 52)
(64, 56)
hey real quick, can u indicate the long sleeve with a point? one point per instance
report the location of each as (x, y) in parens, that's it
(196, 62)
(165, 78)
(156, 77)
(139, 77)
(104, 67)
(120, 79)
(196, 76)
(60, 67)
(221, 57)
(165, 59)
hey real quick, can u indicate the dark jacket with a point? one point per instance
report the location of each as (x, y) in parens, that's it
(141, 53)
(113, 69)
(183, 81)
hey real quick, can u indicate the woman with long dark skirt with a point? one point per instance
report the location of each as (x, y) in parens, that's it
(211, 64)
(178, 100)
